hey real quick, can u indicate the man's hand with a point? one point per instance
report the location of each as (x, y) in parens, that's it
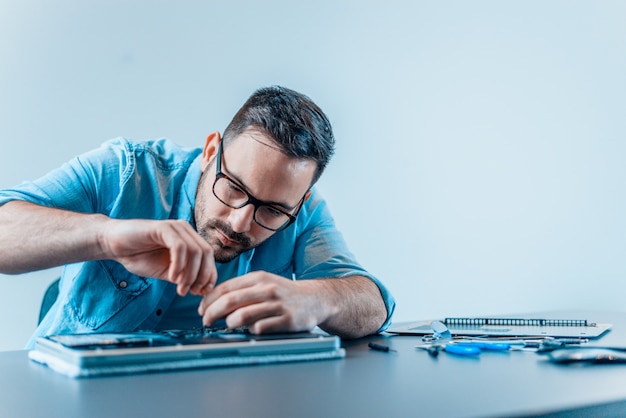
(169, 250)
(265, 303)
(350, 307)
(35, 237)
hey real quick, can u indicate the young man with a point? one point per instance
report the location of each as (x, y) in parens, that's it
(154, 236)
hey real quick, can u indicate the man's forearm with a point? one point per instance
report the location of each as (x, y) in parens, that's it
(357, 305)
(33, 237)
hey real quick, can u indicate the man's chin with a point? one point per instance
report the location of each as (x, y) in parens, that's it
(223, 255)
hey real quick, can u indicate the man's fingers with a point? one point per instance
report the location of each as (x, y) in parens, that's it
(226, 303)
(245, 300)
(226, 293)
(206, 270)
(192, 266)
(277, 324)
(258, 317)
(164, 249)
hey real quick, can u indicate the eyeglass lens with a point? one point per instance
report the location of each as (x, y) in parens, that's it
(232, 195)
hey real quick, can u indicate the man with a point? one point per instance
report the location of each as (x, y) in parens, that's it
(154, 236)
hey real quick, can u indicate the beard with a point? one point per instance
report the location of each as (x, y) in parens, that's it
(222, 253)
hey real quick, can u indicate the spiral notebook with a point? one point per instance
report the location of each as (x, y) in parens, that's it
(81, 355)
(508, 327)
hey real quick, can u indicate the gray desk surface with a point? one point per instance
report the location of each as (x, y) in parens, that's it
(366, 383)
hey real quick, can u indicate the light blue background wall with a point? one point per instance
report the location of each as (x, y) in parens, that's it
(481, 144)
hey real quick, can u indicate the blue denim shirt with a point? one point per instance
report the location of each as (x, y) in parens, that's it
(158, 180)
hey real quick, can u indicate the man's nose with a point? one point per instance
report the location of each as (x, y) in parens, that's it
(241, 219)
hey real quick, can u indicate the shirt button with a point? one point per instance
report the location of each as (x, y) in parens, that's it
(123, 284)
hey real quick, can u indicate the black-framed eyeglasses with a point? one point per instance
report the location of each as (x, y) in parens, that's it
(233, 195)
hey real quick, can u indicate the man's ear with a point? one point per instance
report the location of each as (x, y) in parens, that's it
(210, 149)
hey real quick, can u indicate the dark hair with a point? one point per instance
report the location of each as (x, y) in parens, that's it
(298, 125)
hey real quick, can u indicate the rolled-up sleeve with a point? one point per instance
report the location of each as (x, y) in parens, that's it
(321, 251)
(81, 185)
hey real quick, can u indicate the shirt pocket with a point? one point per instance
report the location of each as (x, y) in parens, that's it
(101, 290)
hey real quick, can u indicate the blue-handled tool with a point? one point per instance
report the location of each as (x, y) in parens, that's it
(461, 349)
(485, 345)
(473, 348)
(465, 348)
